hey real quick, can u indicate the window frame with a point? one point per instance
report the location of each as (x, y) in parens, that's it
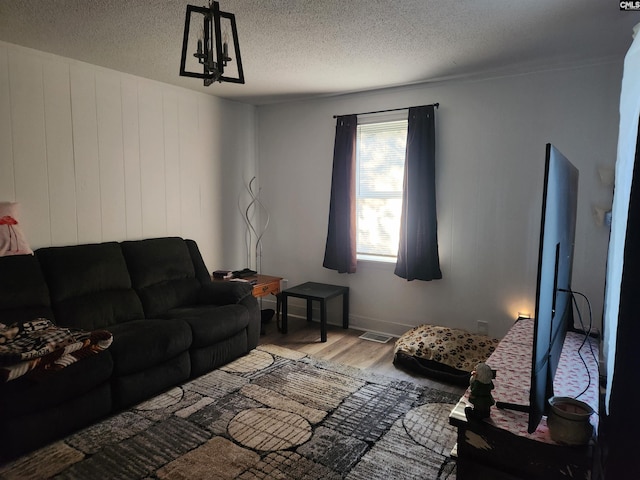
(374, 119)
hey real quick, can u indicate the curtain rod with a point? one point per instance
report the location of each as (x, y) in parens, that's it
(389, 110)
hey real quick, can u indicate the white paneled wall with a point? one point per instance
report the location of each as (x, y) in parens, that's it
(7, 186)
(60, 158)
(96, 155)
(85, 147)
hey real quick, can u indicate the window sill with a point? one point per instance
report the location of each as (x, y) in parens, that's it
(376, 259)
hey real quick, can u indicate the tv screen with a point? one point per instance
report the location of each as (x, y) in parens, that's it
(553, 309)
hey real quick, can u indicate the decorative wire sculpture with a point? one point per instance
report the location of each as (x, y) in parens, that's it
(257, 230)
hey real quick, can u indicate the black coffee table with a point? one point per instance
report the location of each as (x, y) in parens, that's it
(321, 292)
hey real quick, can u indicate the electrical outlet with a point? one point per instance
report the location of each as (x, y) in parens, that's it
(483, 327)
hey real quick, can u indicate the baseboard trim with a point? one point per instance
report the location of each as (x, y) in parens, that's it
(356, 322)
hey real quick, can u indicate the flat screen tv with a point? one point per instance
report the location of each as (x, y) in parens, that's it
(553, 309)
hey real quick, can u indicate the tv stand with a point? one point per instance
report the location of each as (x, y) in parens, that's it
(500, 448)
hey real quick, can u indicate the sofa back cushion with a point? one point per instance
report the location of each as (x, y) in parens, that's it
(202, 274)
(24, 294)
(90, 285)
(162, 272)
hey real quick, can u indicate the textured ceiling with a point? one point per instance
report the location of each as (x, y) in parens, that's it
(301, 48)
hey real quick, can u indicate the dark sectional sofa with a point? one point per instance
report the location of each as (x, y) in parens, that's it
(169, 323)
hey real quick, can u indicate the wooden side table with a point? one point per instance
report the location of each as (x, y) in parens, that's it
(320, 292)
(263, 285)
(267, 285)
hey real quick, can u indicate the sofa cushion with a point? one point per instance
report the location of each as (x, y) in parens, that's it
(202, 273)
(140, 344)
(24, 295)
(207, 358)
(90, 285)
(131, 389)
(210, 324)
(35, 392)
(162, 272)
(23, 434)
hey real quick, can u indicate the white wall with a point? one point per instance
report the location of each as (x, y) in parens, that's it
(95, 155)
(491, 136)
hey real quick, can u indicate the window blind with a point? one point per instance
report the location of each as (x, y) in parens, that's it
(380, 156)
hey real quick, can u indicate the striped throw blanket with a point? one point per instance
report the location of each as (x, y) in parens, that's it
(42, 346)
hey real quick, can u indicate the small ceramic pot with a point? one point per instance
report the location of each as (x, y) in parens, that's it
(568, 421)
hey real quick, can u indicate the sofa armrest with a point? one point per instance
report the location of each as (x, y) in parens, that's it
(224, 293)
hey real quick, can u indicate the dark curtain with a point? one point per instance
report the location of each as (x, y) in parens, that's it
(340, 250)
(418, 250)
(620, 429)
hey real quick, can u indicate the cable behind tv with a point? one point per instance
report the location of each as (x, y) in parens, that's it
(587, 334)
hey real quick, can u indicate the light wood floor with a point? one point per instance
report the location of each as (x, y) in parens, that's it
(345, 347)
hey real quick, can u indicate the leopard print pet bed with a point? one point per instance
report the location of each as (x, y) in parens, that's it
(443, 353)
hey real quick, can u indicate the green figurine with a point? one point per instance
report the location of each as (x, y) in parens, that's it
(481, 385)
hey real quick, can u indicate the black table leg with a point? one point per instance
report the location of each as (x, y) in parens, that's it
(278, 305)
(323, 321)
(284, 312)
(345, 309)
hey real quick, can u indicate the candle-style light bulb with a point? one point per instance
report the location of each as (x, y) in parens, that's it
(199, 55)
(225, 47)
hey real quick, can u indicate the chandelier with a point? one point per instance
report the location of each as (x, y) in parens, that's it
(209, 44)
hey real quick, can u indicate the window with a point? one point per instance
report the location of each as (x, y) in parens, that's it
(380, 155)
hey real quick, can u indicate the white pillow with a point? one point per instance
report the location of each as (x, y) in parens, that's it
(12, 240)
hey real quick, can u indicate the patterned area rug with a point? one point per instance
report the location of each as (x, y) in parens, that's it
(273, 414)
